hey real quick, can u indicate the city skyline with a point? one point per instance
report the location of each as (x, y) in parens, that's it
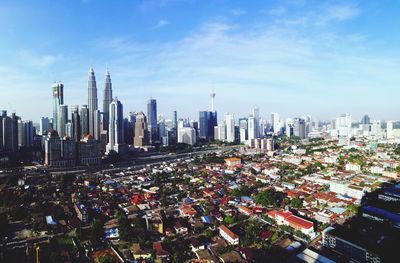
(278, 56)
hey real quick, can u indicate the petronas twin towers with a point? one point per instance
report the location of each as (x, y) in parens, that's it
(94, 113)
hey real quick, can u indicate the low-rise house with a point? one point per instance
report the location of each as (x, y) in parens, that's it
(228, 235)
(283, 217)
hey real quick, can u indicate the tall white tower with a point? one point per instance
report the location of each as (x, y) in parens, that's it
(92, 101)
(212, 95)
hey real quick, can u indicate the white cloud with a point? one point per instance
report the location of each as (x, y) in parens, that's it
(238, 12)
(161, 23)
(37, 60)
(276, 11)
(339, 12)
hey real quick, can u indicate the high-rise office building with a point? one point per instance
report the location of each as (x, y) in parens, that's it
(152, 120)
(389, 130)
(230, 127)
(62, 120)
(243, 130)
(187, 135)
(256, 115)
(251, 129)
(97, 124)
(58, 99)
(76, 123)
(343, 125)
(276, 123)
(141, 133)
(92, 101)
(116, 127)
(44, 125)
(300, 128)
(84, 118)
(365, 119)
(289, 132)
(174, 120)
(207, 122)
(107, 100)
(10, 133)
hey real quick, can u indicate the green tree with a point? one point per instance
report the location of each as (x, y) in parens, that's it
(107, 259)
(296, 203)
(229, 220)
(266, 198)
(353, 209)
(97, 229)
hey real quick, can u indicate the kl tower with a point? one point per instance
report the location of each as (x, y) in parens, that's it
(212, 95)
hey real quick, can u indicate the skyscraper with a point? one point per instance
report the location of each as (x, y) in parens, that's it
(174, 120)
(92, 101)
(207, 122)
(96, 124)
(243, 126)
(152, 119)
(365, 119)
(256, 115)
(58, 99)
(141, 132)
(107, 100)
(251, 129)
(10, 132)
(343, 125)
(276, 123)
(62, 120)
(230, 127)
(84, 121)
(76, 123)
(116, 127)
(300, 128)
(44, 125)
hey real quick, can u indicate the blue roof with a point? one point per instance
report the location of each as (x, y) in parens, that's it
(338, 210)
(206, 219)
(247, 198)
(50, 220)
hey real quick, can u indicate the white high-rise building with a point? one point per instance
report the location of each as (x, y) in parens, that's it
(389, 130)
(276, 122)
(289, 127)
(69, 130)
(221, 132)
(187, 135)
(230, 127)
(343, 125)
(116, 127)
(243, 130)
(376, 128)
(251, 128)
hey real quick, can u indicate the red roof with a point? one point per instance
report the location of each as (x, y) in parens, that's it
(299, 222)
(228, 231)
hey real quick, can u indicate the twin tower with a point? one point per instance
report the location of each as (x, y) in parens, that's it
(94, 114)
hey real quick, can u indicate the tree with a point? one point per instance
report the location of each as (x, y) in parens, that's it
(106, 259)
(296, 203)
(397, 150)
(266, 198)
(229, 220)
(353, 209)
(97, 229)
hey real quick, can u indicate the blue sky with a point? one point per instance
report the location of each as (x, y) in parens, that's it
(295, 57)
